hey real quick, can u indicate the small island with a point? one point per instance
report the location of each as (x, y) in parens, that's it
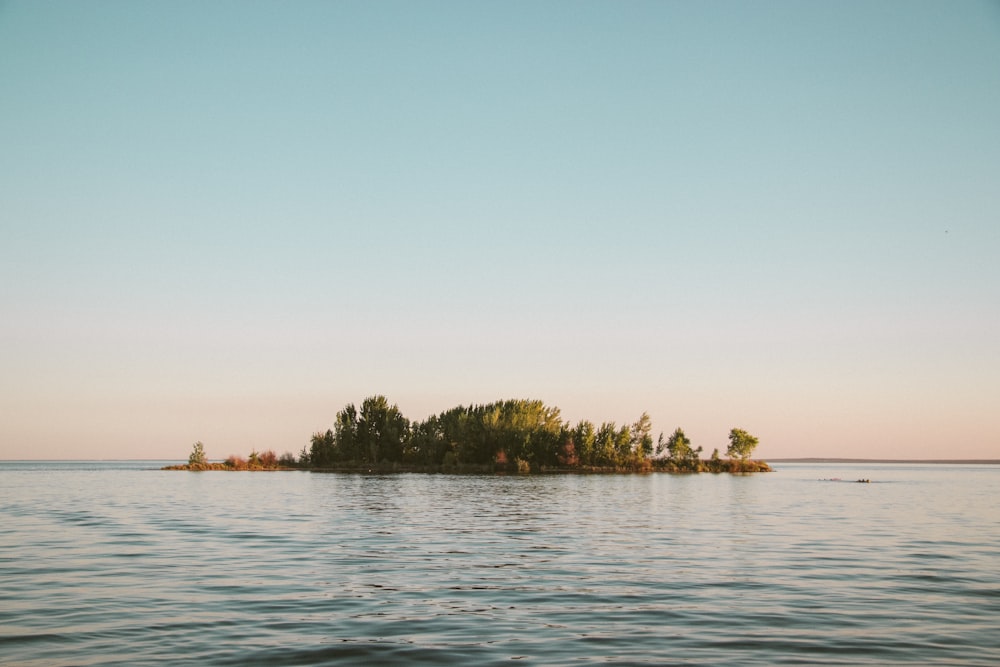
(511, 436)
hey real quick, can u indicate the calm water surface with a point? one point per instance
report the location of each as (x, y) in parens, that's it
(119, 563)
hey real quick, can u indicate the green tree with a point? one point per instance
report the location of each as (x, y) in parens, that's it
(585, 438)
(381, 431)
(661, 447)
(681, 452)
(345, 434)
(741, 444)
(678, 446)
(530, 430)
(197, 457)
(452, 426)
(426, 444)
(604, 444)
(623, 446)
(642, 438)
(567, 455)
(322, 452)
(714, 462)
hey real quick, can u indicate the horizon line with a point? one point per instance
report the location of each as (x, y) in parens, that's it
(806, 459)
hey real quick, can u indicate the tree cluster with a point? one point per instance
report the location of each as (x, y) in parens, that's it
(515, 435)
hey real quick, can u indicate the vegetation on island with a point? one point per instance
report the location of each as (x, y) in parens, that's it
(266, 460)
(504, 436)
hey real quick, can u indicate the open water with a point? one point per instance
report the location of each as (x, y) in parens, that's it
(120, 563)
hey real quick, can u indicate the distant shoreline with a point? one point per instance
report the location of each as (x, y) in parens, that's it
(770, 460)
(924, 461)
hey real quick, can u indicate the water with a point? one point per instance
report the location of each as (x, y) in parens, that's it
(119, 563)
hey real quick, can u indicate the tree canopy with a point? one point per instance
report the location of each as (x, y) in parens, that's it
(514, 434)
(741, 444)
(197, 456)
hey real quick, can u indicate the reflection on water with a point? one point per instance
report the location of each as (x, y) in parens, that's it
(123, 564)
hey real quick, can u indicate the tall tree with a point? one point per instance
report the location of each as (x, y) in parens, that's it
(623, 446)
(381, 430)
(426, 444)
(642, 438)
(567, 456)
(604, 444)
(345, 431)
(681, 452)
(678, 446)
(322, 450)
(585, 437)
(741, 444)
(197, 456)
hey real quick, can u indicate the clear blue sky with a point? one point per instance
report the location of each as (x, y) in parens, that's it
(224, 221)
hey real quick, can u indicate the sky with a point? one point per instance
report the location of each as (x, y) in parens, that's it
(224, 221)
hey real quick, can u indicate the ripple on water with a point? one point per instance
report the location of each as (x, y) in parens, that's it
(141, 567)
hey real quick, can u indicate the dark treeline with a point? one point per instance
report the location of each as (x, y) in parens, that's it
(511, 435)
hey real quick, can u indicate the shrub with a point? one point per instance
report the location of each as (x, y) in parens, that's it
(197, 457)
(236, 463)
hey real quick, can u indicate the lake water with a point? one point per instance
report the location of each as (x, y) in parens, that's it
(120, 563)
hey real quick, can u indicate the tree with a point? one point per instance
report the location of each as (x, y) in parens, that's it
(741, 444)
(346, 434)
(567, 456)
(426, 444)
(623, 446)
(681, 452)
(381, 431)
(679, 446)
(584, 438)
(323, 450)
(661, 447)
(642, 438)
(604, 444)
(197, 457)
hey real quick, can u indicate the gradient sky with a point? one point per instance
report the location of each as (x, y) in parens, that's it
(224, 221)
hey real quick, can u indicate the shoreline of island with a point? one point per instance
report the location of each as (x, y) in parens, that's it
(833, 460)
(735, 466)
(506, 436)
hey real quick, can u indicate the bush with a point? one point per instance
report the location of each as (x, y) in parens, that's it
(236, 463)
(197, 457)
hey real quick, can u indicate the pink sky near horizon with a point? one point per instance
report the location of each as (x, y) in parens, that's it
(223, 225)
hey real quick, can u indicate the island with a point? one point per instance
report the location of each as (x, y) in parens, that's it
(509, 436)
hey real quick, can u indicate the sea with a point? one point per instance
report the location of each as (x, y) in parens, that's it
(120, 563)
